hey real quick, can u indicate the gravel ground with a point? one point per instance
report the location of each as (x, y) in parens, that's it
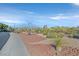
(37, 46)
(37, 49)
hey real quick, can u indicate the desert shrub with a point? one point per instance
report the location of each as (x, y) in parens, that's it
(58, 39)
(76, 34)
(45, 31)
(50, 34)
(38, 30)
(70, 32)
(58, 42)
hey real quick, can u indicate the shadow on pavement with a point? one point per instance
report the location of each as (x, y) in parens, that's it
(4, 36)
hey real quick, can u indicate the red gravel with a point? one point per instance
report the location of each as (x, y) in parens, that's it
(32, 38)
(37, 49)
(45, 49)
(70, 51)
(41, 50)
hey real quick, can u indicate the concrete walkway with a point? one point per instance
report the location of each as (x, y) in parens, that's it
(14, 47)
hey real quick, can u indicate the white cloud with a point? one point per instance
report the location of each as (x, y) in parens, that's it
(10, 19)
(60, 17)
(76, 16)
(77, 4)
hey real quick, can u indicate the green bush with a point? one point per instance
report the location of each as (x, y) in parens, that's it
(3, 27)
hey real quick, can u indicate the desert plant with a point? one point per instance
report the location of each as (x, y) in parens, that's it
(58, 42)
(58, 37)
(45, 30)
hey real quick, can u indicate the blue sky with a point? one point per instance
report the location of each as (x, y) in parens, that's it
(54, 14)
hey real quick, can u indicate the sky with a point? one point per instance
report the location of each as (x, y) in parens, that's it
(40, 14)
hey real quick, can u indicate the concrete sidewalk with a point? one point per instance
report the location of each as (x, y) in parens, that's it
(14, 47)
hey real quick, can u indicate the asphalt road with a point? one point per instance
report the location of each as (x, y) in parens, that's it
(13, 46)
(3, 38)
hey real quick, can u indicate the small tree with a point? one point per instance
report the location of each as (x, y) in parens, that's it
(3, 27)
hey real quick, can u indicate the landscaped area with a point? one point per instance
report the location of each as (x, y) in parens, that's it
(49, 41)
(39, 29)
(52, 41)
